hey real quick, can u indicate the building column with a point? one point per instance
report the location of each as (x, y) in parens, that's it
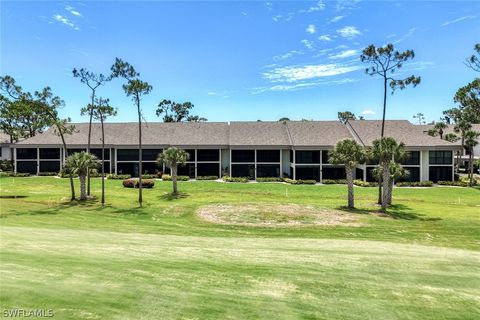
(230, 163)
(294, 165)
(116, 162)
(220, 162)
(281, 163)
(321, 167)
(196, 163)
(255, 165)
(38, 161)
(14, 150)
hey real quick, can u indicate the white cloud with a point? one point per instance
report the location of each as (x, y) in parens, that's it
(457, 20)
(349, 32)
(294, 73)
(344, 54)
(287, 17)
(307, 43)
(299, 86)
(406, 35)
(393, 35)
(244, 14)
(286, 55)
(319, 6)
(73, 11)
(216, 94)
(368, 112)
(325, 37)
(336, 19)
(311, 29)
(65, 21)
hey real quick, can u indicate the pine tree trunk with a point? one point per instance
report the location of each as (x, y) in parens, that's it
(70, 176)
(140, 196)
(385, 185)
(380, 182)
(351, 199)
(174, 179)
(103, 162)
(83, 187)
(90, 138)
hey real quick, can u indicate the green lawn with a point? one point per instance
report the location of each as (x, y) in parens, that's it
(165, 261)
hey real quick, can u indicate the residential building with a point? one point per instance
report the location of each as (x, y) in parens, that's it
(297, 149)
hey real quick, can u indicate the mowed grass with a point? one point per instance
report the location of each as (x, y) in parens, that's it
(164, 262)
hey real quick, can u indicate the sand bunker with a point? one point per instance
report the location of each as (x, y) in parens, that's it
(276, 215)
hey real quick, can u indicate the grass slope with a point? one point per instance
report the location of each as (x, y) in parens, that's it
(162, 261)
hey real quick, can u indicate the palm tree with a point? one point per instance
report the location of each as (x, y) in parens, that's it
(440, 128)
(387, 150)
(471, 140)
(81, 163)
(173, 157)
(349, 153)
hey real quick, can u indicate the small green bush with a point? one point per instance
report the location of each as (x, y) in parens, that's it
(460, 183)
(134, 183)
(13, 174)
(118, 176)
(236, 179)
(47, 174)
(334, 181)
(207, 178)
(300, 181)
(415, 184)
(149, 176)
(167, 177)
(6, 165)
(362, 183)
(270, 179)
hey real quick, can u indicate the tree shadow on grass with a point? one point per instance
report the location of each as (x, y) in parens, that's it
(12, 197)
(395, 211)
(172, 196)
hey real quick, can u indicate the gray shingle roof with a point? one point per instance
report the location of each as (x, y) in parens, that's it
(402, 130)
(222, 134)
(177, 134)
(258, 134)
(317, 133)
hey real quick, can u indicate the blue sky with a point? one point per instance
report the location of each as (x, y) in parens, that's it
(243, 60)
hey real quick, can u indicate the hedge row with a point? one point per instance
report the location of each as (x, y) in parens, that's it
(332, 181)
(362, 183)
(460, 183)
(270, 179)
(134, 183)
(207, 178)
(415, 184)
(236, 179)
(299, 181)
(167, 177)
(13, 174)
(118, 176)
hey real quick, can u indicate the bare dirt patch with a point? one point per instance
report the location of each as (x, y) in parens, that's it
(276, 215)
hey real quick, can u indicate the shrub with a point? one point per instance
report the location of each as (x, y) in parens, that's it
(13, 174)
(167, 177)
(129, 183)
(300, 181)
(47, 174)
(149, 176)
(118, 176)
(133, 183)
(6, 165)
(362, 183)
(334, 181)
(236, 179)
(269, 179)
(415, 184)
(207, 178)
(459, 183)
